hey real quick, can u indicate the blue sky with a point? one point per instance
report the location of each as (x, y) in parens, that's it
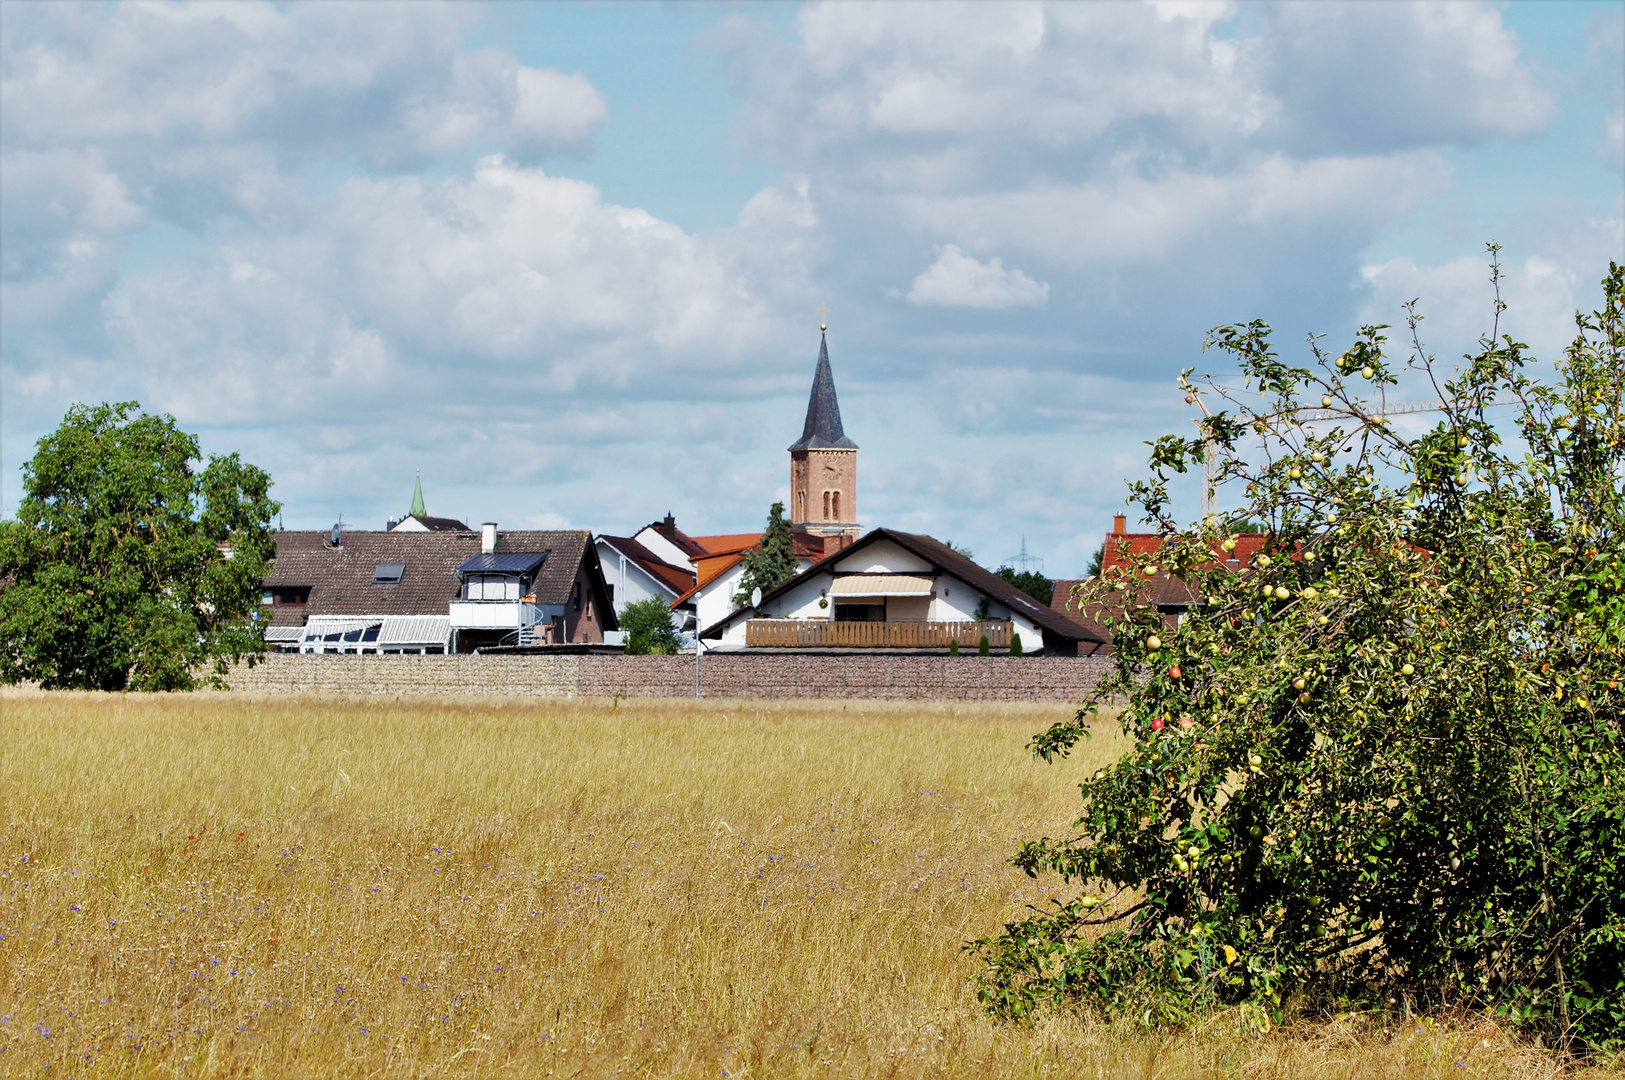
(567, 259)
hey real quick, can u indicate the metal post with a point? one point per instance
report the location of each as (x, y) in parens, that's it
(698, 648)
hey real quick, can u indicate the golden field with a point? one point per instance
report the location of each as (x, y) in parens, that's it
(208, 885)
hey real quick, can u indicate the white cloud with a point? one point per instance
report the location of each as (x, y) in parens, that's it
(1456, 300)
(488, 291)
(386, 81)
(959, 280)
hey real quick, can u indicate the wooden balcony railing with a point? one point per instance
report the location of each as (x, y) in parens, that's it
(805, 633)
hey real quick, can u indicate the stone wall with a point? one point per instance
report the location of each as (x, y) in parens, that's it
(722, 675)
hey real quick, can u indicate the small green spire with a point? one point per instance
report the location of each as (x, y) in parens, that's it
(417, 499)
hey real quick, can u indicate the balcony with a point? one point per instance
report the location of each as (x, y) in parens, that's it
(494, 614)
(826, 633)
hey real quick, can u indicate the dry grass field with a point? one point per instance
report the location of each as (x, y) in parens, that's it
(204, 885)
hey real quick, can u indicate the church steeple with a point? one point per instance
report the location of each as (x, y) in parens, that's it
(417, 499)
(824, 462)
(823, 430)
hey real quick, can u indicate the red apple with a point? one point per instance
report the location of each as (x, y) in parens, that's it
(1156, 725)
(1173, 672)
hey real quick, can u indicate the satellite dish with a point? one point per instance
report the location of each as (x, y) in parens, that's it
(756, 597)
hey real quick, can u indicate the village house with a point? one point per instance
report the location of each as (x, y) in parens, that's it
(434, 591)
(894, 590)
(1172, 597)
(635, 571)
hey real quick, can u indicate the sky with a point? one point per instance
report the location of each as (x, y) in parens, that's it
(568, 262)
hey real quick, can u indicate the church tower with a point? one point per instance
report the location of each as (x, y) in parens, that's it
(824, 463)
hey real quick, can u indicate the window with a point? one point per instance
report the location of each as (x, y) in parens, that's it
(860, 612)
(280, 595)
(826, 507)
(388, 573)
(835, 501)
(490, 587)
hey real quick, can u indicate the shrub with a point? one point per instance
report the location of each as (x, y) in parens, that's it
(648, 628)
(1015, 644)
(982, 647)
(1378, 764)
(953, 646)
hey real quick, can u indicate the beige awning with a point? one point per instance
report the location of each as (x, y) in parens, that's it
(881, 585)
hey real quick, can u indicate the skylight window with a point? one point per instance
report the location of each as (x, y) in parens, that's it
(388, 573)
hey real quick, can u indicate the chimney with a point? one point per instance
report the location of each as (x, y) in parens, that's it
(488, 537)
(1119, 524)
(668, 528)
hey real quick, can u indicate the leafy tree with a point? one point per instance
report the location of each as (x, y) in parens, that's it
(125, 568)
(648, 628)
(1031, 582)
(960, 549)
(1383, 762)
(1093, 569)
(772, 562)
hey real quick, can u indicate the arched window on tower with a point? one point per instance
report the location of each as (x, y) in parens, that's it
(835, 502)
(826, 507)
(801, 505)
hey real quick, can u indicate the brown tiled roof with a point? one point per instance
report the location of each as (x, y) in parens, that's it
(437, 524)
(340, 579)
(1090, 618)
(1167, 592)
(677, 578)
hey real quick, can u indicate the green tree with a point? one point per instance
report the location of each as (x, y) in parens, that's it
(1381, 763)
(1031, 582)
(772, 562)
(1093, 570)
(125, 568)
(648, 628)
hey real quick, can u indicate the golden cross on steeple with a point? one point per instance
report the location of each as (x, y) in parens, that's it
(823, 311)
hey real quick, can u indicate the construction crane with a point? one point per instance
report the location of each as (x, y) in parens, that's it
(1210, 456)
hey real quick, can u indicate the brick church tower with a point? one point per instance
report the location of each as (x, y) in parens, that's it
(824, 463)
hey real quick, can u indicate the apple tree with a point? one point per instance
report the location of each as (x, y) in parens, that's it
(1381, 762)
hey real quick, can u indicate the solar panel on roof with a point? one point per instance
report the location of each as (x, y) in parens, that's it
(388, 573)
(510, 562)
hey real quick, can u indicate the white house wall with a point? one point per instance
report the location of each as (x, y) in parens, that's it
(662, 549)
(951, 601)
(715, 599)
(632, 582)
(883, 557)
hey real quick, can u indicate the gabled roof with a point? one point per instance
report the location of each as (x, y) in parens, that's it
(676, 578)
(944, 558)
(678, 537)
(729, 551)
(435, 524)
(823, 430)
(340, 579)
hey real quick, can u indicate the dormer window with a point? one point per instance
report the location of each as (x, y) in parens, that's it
(388, 573)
